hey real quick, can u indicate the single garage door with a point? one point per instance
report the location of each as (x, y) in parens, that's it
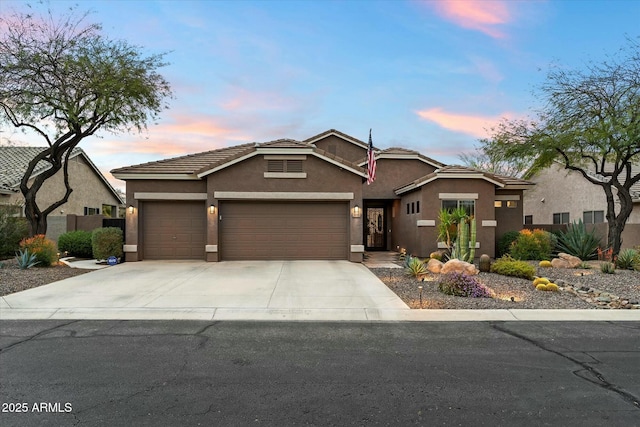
(283, 231)
(174, 230)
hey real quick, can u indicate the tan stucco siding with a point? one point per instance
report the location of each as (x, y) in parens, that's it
(341, 148)
(88, 191)
(394, 173)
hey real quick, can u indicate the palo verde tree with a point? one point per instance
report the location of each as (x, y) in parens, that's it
(63, 80)
(590, 123)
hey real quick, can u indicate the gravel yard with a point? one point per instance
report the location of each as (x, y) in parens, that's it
(12, 279)
(580, 289)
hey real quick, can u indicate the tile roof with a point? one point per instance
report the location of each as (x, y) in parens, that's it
(285, 143)
(337, 132)
(14, 162)
(399, 151)
(464, 172)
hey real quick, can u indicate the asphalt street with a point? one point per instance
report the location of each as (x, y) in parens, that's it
(174, 373)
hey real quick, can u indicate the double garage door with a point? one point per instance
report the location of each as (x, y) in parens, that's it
(248, 230)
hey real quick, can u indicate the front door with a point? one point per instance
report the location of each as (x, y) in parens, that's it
(375, 229)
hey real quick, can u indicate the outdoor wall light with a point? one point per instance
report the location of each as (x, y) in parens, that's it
(130, 209)
(357, 212)
(212, 208)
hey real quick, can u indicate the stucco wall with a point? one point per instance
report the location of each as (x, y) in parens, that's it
(566, 191)
(394, 173)
(342, 148)
(88, 191)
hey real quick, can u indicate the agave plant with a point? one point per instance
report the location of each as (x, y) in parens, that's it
(414, 266)
(627, 259)
(577, 241)
(26, 260)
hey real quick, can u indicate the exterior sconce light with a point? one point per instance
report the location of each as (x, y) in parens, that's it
(357, 212)
(130, 209)
(212, 208)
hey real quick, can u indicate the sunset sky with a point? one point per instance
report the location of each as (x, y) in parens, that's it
(426, 75)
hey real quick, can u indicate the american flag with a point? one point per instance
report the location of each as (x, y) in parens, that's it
(371, 161)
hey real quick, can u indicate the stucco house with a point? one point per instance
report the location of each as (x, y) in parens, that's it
(288, 199)
(92, 193)
(562, 196)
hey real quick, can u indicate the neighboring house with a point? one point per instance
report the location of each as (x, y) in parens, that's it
(92, 193)
(562, 196)
(309, 199)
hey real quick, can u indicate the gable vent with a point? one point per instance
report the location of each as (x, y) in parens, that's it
(284, 166)
(275, 165)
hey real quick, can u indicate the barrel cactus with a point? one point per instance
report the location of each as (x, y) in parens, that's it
(484, 264)
(545, 264)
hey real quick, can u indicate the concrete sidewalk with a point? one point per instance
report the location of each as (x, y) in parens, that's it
(257, 290)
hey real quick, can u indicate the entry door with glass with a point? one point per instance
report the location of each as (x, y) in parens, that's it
(375, 227)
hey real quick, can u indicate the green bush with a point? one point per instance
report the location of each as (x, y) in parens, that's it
(532, 245)
(12, 231)
(578, 242)
(627, 259)
(508, 266)
(43, 248)
(76, 243)
(107, 242)
(504, 243)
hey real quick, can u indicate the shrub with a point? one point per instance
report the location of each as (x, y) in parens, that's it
(530, 245)
(12, 231)
(507, 266)
(106, 242)
(26, 260)
(461, 285)
(76, 243)
(627, 259)
(608, 268)
(578, 242)
(415, 267)
(504, 243)
(43, 248)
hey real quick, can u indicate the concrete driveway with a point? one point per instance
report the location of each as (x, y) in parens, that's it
(199, 290)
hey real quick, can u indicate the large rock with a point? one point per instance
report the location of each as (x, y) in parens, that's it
(570, 260)
(559, 263)
(457, 266)
(434, 266)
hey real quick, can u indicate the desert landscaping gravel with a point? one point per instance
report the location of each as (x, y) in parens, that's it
(579, 289)
(12, 279)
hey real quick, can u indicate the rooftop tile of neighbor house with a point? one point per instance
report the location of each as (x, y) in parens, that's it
(463, 172)
(197, 165)
(14, 162)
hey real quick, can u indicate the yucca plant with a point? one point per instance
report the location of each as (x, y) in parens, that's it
(26, 260)
(577, 241)
(627, 259)
(415, 267)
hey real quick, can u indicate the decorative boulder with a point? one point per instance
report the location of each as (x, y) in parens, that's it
(457, 266)
(434, 266)
(569, 261)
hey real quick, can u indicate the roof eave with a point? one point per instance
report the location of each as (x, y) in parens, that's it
(127, 176)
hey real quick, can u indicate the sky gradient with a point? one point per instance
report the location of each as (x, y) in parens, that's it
(431, 76)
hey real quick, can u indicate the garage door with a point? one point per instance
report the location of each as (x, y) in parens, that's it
(174, 230)
(263, 231)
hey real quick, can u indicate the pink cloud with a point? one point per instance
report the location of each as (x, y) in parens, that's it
(480, 15)
(470, 124)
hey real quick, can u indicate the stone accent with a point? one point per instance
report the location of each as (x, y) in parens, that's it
(434, 266)
(601, 300)
(566, 261)
(457, 266)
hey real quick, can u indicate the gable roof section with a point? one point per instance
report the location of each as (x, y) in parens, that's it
(403, 154)
(199, 165)
(463, 172)
(15, 160)
(334, 132)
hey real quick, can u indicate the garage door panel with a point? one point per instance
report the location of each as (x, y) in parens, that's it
(278, 230)
(174, 230)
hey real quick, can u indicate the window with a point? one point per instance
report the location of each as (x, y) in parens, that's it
(108, 211)
(418, 206)
(91, 211)
(497, 204)
(528, 219)
(593, 217)
(413, 207)
(408, 209)
(467, 205)
(512, 204)
(561, 218)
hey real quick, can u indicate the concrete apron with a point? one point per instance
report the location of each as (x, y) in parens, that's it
(318, 290)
